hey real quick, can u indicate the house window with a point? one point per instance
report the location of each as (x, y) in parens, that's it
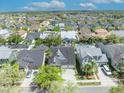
(95, 57)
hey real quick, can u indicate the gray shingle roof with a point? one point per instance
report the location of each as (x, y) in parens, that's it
(18, 46)
(115, 52)
(32, 36)
(91, 51)
(30, 56)
(68, 55)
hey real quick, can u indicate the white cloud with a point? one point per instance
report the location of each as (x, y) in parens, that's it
(28, 8)
(88, 6)
(107, 1)
(51, 4)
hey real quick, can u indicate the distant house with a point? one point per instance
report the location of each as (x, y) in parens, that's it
(87, 53)
(114, 52)
(35, 57)
(101, 33)
(22, 33)
(119, 33)
(84, 32)
(32, 36)
(68, 35)
(5, 33)
(63, 56)
(62, 26)
(5, 54)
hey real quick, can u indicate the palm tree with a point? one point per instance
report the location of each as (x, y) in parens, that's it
(90, 68)
(87, 69)
(94, 66)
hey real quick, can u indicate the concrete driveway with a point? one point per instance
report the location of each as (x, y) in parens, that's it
(68, 75)
(105, 80)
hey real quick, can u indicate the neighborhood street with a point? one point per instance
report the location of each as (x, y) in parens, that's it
(93, 89)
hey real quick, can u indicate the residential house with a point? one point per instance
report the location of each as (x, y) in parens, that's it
(102, 33)
(5, 33)
(34, 57)
(22, 33)
(5, 54)
(118, 33)
(84, 32)
(68, 35)
(18, 47)
(63, 56)
(32, 36)
(114, 52)
(61, 25)
(88, 53)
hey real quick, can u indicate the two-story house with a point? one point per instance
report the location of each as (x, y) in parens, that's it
(88, 53)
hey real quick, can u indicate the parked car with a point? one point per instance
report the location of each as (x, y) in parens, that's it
(28, 74)
(106, 70)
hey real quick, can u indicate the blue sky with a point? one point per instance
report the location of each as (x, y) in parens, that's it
(32, 5)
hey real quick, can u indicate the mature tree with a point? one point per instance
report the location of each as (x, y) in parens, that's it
(112, 39)
(51, 40)
(68, 28)
(121, 68)
(25, 28)
(42, 29)
(46, 75)
(118, 89)
(9, 77)
(2, 26)
(56, 29)
(2, 41)
(92, 40)
(14, 39)
(39, 41)
(89, 68)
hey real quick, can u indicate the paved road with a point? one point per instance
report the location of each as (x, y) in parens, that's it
(93, 90)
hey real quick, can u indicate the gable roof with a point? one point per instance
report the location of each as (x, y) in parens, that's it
(115, 51)
(66, 55)
(18, 46)
(32, 36)
(91, 51)
(35, 57)
(88, 50)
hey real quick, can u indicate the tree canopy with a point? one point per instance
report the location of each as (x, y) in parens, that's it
(56, 29)
(15, 39)
(46, 75)
(118, 89)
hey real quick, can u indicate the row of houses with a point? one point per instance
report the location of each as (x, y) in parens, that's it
(63, 56)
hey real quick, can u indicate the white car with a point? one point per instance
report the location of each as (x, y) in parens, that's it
(106, 70)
